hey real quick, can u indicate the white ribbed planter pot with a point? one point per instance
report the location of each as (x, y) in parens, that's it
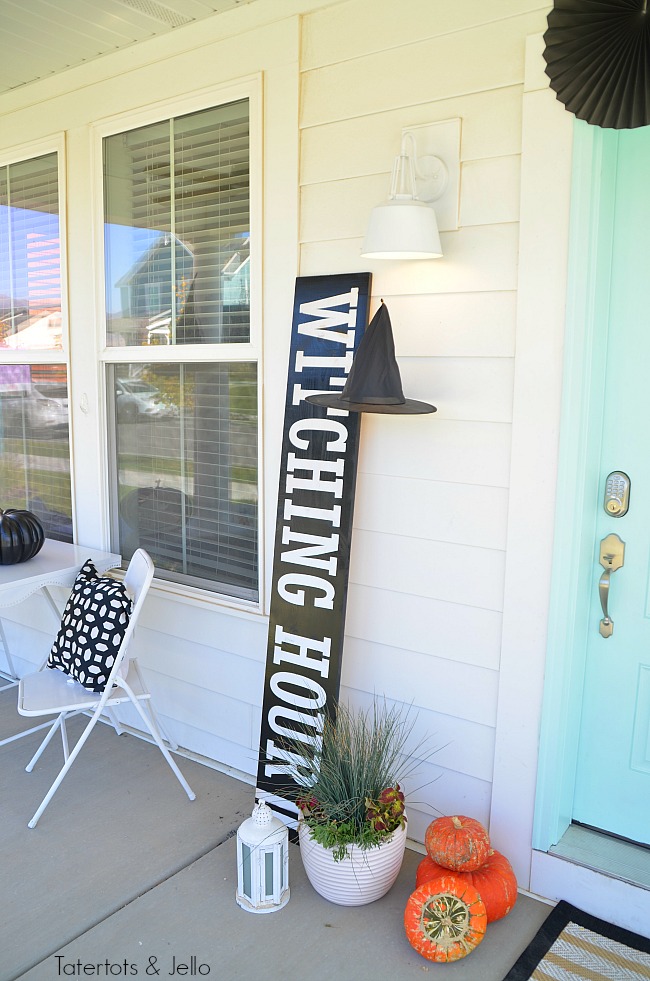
(364, 875)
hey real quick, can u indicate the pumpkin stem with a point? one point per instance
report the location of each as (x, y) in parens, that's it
(456, 822)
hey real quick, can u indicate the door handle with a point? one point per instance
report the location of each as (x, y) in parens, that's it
(606, 627)
(612, 554)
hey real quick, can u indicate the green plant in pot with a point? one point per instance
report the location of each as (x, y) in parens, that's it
(352, 829)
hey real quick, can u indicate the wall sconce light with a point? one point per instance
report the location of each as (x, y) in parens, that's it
(406, 226)
(262, 862)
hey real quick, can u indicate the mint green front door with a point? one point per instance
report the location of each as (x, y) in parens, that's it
(612, 788)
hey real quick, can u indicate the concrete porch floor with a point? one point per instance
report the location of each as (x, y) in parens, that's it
(125, 877)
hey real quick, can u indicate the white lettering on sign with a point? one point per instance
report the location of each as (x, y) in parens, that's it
(315, 698)
(333, 514)
(304, 644)
(315, 466)
(319, 426)
(313, 546)
(305, 722)
(329, 318)
(297, 597)
(289, 764)
(300, 393)
(323, 361)
(315, 482)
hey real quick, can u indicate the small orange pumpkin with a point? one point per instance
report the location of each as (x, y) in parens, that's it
(458, 843)
(495, 882)
(445, 919)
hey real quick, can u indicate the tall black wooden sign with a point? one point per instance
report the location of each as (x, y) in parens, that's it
(314, 524)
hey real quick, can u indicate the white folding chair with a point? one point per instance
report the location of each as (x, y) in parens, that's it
(52, 692)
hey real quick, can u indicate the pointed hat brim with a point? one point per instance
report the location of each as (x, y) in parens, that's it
(409, 407)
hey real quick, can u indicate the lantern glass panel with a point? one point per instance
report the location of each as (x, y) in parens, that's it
(246, 869)
(268, 873)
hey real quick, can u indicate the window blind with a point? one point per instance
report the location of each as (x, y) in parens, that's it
(187, 470)
(177, 219)
(30, 273)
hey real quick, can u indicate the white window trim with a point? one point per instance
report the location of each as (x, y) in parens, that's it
(249, 87)
(15, 155)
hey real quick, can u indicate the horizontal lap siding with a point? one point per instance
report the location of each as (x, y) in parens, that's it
(426, 576)
(347, 31)
(488, 56)
(424, 625)
(455, 325)
(204, 687)
(458, 451)
(443, 512)
(476, 258)
(362, 145)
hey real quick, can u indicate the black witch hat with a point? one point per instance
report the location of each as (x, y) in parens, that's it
(598, 60)
(374, 383)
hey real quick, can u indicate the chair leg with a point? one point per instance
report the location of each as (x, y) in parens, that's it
(64, 739)
(163, 735)
(66, 766)
(115, 722)
(53, 727)
(24, 732)
(150, 709)
(150, 723)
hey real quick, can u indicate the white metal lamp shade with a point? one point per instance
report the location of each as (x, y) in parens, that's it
(402, 229)
(262, 862)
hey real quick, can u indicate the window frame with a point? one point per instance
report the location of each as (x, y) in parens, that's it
(250, 88)
(15, 155)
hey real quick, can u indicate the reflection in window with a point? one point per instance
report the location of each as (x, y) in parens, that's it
(34, 444)
(186, 470)
(30, 274)
(177, 230)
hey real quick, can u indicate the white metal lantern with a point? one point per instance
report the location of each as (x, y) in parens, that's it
(262, 862)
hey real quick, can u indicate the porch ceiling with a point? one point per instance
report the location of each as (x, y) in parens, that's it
(44, 37)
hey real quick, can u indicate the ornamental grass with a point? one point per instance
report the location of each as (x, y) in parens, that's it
(351, 776)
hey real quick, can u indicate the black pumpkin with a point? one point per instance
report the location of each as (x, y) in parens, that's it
(21, 536)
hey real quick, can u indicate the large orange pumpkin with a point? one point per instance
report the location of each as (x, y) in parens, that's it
(495, 882)
(459, 843)
(445, 919)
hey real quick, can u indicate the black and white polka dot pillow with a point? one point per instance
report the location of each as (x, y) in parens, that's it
(93, 624)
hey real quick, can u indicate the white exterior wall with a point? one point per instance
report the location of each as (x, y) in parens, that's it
(429, 554)
(429, 549)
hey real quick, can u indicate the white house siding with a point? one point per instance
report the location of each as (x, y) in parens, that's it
(425, 603)
(429, 548)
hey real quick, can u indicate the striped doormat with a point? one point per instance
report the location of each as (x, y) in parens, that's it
(573, 946)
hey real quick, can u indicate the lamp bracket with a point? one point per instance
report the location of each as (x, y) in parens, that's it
(432, 177)
(434, 149)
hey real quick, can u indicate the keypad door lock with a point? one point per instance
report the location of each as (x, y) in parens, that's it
(617, 494)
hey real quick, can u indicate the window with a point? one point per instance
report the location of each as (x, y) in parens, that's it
(34, 436)
(181, 370)
(177, 230)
